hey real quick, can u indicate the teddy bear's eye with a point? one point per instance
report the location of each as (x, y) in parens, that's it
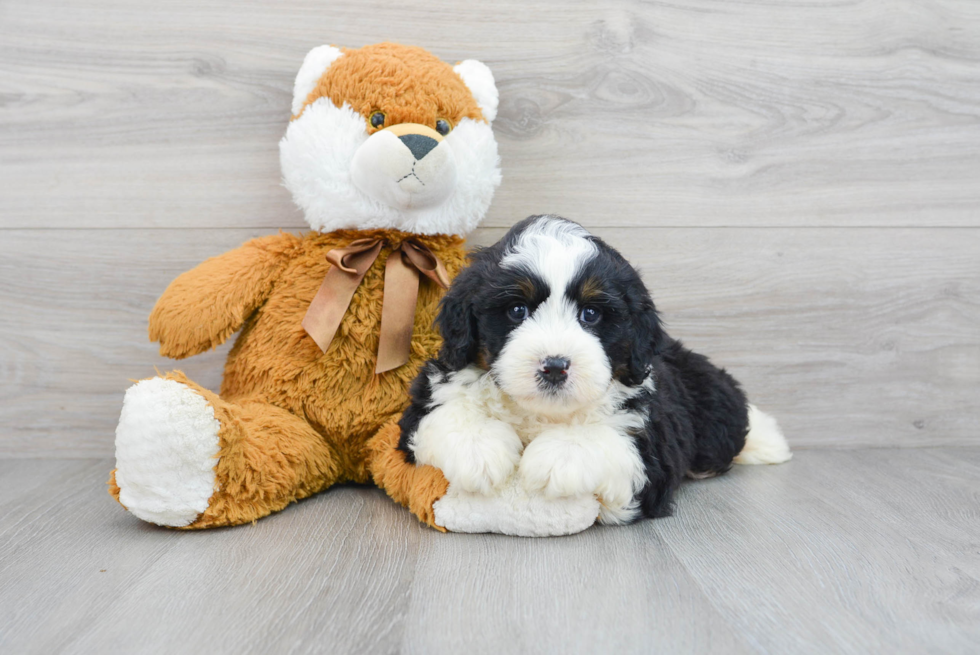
(443, 126)
(377, 119)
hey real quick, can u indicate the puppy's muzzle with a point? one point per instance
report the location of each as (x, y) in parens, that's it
(405, 166)
(553, 372)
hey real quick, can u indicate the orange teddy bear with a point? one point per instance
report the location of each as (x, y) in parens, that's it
(392, 159)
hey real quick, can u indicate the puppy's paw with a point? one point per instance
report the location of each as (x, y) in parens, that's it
(559, 467)
(480, 459)
(617, 492)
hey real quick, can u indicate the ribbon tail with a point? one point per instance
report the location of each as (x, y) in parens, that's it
(322, 319)
(397, 313)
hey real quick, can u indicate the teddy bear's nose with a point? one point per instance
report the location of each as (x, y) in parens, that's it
(419, 144)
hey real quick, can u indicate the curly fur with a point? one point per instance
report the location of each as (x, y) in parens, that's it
(626, 429)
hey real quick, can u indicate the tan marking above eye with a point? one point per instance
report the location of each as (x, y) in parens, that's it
(591, 289)
(526, 286)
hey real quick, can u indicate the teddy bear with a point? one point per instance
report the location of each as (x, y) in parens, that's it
(391, 157)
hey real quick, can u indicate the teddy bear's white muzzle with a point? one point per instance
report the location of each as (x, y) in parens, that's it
(405, 167)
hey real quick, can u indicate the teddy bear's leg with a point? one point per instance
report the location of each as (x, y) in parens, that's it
(415, 487)
(186, 458)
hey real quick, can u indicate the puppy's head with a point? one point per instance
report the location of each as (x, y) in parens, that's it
(390, 136)
(554, 314)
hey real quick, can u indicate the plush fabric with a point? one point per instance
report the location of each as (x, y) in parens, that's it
(291, 419)
(406, 88)
(424, 89)
(295, 420)
(415, 487)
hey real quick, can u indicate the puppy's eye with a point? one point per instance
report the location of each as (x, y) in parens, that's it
(377, 119)
(517, 313)
(443, 126)
(589, 315)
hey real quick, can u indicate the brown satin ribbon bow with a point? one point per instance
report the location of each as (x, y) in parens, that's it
(348, 267)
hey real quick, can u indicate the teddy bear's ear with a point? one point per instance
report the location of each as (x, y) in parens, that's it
(479, 80)
(315, 64)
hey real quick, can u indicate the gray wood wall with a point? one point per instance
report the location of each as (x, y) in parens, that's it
(799, 181)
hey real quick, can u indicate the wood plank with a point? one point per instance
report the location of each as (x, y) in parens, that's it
(55, 554)
(837, 551)
(21, 479)
(139, 114)
(851, 337)
(332, 570)
(606, 590)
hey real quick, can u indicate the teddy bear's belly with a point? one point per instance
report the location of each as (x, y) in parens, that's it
(337, 392)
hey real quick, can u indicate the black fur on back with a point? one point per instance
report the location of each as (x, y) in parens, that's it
(698, 419)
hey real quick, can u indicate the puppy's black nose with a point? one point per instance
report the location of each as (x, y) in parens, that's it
(419, 144)
(554, 370)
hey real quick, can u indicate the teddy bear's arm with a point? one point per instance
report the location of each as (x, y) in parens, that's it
(204, 306)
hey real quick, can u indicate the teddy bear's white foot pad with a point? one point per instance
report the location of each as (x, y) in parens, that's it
(513, 511)
(166, 450)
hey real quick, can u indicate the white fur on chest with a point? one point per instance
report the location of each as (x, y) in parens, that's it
(513, 468)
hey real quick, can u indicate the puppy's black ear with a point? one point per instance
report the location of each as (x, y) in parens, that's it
(457, 322)
(649, 338)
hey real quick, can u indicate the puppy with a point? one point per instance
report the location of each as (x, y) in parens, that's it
(555, 367)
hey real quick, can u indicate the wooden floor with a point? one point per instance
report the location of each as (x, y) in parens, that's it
(867, 551)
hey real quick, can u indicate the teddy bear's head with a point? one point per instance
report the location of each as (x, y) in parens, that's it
(389, 136)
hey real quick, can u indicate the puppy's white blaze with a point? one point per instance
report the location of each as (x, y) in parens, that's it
(765, 443)
(317, 158)
(553, 248)
(553, 331)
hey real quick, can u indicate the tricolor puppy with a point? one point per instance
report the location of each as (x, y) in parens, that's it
(556, 372)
